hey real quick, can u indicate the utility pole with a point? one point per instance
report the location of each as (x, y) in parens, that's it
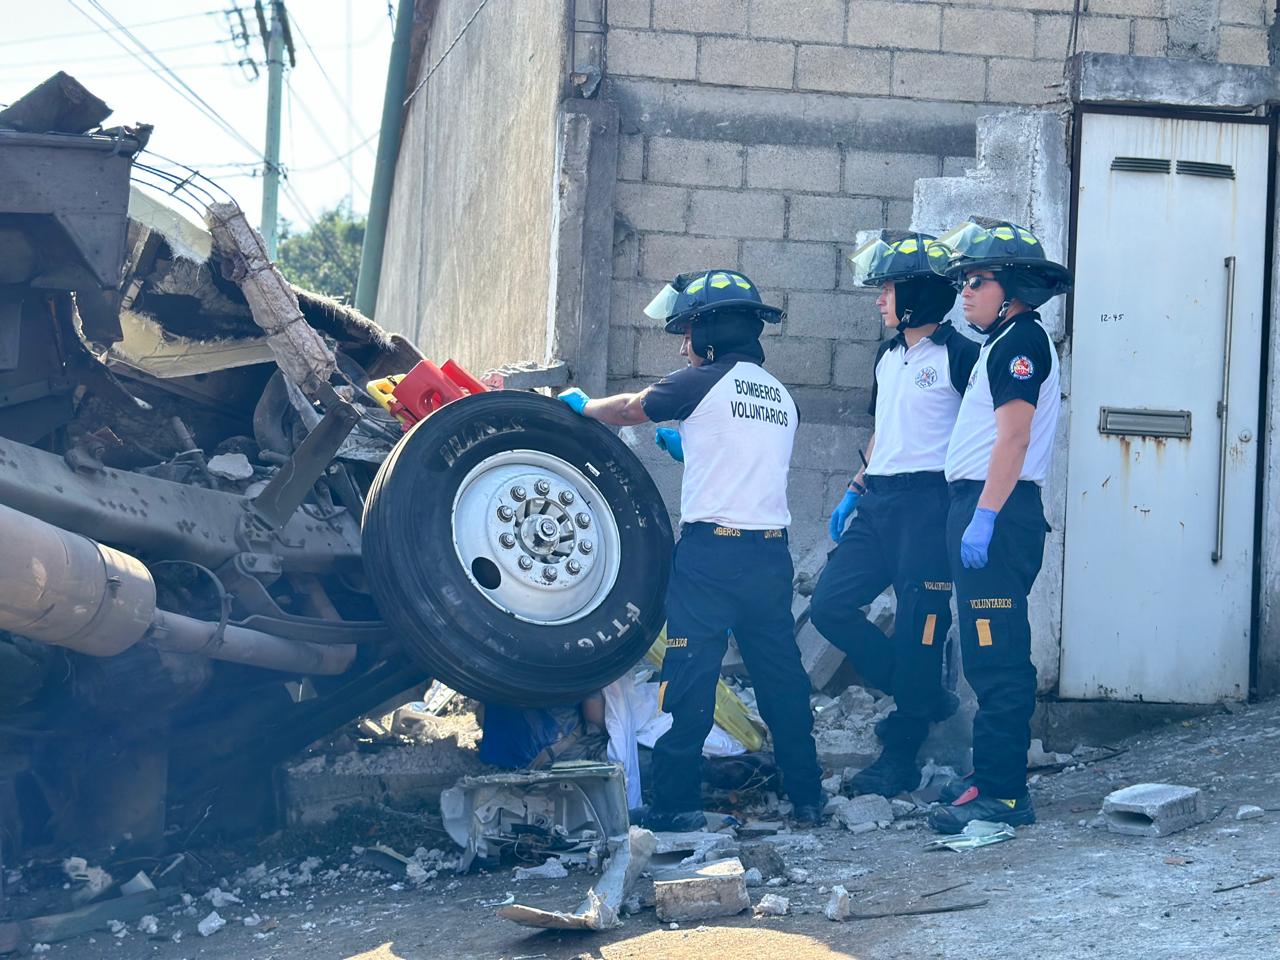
(271, 168)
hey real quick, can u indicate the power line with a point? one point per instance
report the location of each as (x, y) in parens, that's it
(89, 33)
(346, 106)
(110, 56)
(338, 159)
(316, 125)
(448, 50)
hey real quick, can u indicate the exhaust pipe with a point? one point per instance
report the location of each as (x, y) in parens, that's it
(64, 589)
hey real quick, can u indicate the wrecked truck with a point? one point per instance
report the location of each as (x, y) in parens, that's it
(220, 545)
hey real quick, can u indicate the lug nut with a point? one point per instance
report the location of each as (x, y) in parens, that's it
(582, 520)
(586, 546)
(549, 573)
(518, 493)
(507, 540)
(574, 567)
(566, 497)
(506, 514)
(542, 487)
(525, 563)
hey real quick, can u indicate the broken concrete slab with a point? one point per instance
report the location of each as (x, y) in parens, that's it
(1249, 812)
(1153, 809)
(716, 889)
(837, 907)
(765, 859)
(551, 869)
(772, 905)
(867, 808)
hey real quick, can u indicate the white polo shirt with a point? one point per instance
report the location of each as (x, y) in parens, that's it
(915, 396)
(737, 427)
(1017, 363)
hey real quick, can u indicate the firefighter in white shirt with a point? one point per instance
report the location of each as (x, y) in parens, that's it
(732, 570)
(898, 534)
(997, 461)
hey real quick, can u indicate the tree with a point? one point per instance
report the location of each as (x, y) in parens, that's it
(325, 258)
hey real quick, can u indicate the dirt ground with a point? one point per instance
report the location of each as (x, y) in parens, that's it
(1063, 888)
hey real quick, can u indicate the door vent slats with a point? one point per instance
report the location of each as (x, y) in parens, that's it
(1141, 164)
(1196, 168)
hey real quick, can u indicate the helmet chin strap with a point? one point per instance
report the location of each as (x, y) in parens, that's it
(904, 321)
(995, 324)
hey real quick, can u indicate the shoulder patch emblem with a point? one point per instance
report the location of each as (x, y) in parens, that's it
(1021, 368)
(926, 378)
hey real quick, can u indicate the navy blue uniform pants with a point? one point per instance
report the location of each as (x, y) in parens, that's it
(724, 580)
(995, 634)
(898, 538)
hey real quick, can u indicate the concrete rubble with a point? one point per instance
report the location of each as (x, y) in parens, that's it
(715, 889)
(552, 869)
(772, 905)
(1153, 809)
(838, 906)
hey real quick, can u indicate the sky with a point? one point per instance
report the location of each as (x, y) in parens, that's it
(332, 102)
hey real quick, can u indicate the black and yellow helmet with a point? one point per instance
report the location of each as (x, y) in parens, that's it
(897, 255)
(692, 297)
(1011, 251)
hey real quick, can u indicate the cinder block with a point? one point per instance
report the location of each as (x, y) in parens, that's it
(832, 447)
(1096, 35)
(898, 214)
(646, 53)
(806, 491)
(779, 167)
(1153, 809)
(663, 255)
(1024, 81)
(630, 157)
(836, 316)
(657, 353)
(629, 13)
(934, 76)
(843, 69)
(1060, 5)
(854, 363)
(651, 206)
(991, 32)
(627, 302)
(799, 360)
(795, 266)
(716, 889)
(701, 16)
(877, 174)
(1242, 45)
(1132, 8)
(895, 25)
(1150, 38)
(738, 62)
(834, 219)
(710, 163)
(1250, 12)
(736, 213)
(622, 352)
(957, 166)
(821, 20)
(626, 256)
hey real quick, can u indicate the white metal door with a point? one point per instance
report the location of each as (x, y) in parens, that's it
(1171, 221)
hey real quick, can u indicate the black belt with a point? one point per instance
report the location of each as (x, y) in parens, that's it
(960, 487)
(924, 479)
(719, 530)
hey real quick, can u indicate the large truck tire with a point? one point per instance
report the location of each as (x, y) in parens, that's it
(519, 551)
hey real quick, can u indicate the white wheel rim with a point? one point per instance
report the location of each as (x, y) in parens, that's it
(536, 537)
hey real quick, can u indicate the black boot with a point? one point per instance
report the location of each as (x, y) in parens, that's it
(895, 771)
(668, 821)
(807, 815)
(973, 804)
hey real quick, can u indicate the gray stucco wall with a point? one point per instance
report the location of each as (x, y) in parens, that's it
(467, 267)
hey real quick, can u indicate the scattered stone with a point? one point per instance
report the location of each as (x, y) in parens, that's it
(834, 805)
(776, 881)
(869, 808)
(798, 875)
(1038, 756)
(1153, 809)
(765, 860)
(833, 783)
(552, 869)
(118, 929)
(1249, 812)
(39, 948)
(902, 808)
(231, 466)
(716, 889)
(210, 924)
(219, 898)
(754, 877)
(772, 905)
(837, 907)
(149, 925)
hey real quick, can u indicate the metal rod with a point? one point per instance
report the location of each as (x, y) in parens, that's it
(173, 631)
(1230, 264)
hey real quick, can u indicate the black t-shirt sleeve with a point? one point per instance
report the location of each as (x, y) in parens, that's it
(677, 394)
(962, 354)
(1019, 363)
(885, 347)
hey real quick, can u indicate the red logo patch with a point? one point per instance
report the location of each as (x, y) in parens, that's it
(1021, 368)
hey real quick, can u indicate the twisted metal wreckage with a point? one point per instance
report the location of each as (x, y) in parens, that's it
(187, 448)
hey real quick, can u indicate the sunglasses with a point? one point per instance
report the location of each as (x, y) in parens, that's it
(973, 283)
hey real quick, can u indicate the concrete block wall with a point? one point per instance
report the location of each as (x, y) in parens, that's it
(763, 134)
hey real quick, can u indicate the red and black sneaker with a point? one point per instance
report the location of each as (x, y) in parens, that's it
(975, 805)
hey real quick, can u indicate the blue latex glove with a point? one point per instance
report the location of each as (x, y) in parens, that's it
(843, 511)
(668, 439)
(977, 539)
(575, 398)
